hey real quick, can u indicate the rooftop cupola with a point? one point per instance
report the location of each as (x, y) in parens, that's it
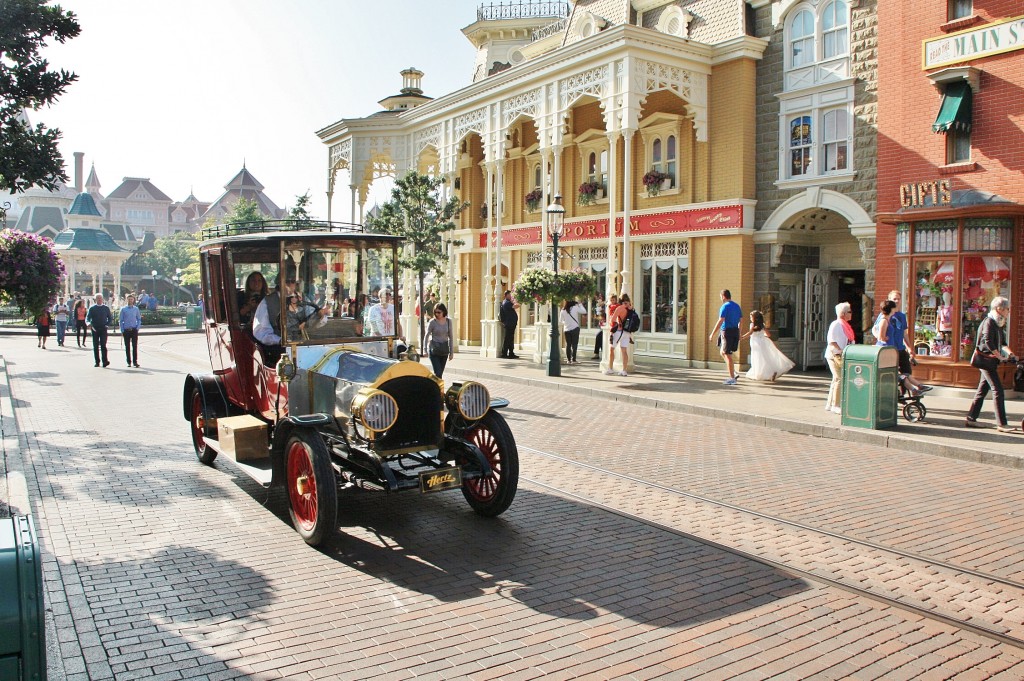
(411, 94)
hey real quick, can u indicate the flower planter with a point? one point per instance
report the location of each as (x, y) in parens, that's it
(666, 184)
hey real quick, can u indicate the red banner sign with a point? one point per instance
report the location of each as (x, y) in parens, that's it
(676, 222)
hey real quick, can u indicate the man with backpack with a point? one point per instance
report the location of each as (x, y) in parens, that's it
(624, 322)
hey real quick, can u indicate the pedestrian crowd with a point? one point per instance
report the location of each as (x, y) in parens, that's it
(90, 318)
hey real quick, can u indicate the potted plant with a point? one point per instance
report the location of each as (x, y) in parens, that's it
(533, 200)
(587, 193)
(655, 181)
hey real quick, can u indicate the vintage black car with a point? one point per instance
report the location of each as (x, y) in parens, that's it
(331, 404)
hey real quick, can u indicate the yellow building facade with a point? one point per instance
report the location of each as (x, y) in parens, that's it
(583, 103)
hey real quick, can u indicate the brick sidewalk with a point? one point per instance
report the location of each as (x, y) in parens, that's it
(174, 570)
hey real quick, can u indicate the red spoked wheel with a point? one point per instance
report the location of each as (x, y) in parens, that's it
(491, 495)
(197, 422)
(312, 486)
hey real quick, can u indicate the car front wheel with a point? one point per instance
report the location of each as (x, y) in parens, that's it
(312, 486)
(491, 495)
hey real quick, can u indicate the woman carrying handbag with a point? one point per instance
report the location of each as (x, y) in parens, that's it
(439, 333)
(990, 350)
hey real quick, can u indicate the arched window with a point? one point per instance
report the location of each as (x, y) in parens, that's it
(799, 146)
(537, 176)
(592, 167)
(602, 177)
(801, 39)
(835, 33)
(670, 158)
(656, 156)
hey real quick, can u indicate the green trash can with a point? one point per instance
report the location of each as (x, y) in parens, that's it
(194, 318)
(22, 622)
(870, 386)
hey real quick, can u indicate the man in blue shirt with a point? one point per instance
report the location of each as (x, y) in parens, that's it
(131, 322)
(99, 318)
(728, 324)
(899, 338)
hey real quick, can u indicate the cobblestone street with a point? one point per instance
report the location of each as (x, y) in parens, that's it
(642, 544)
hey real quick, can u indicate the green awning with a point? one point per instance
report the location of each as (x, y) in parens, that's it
(955, 112)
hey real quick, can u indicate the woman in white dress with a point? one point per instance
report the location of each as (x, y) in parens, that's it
(767, 362)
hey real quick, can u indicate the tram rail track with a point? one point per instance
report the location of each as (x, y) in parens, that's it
(973, 622)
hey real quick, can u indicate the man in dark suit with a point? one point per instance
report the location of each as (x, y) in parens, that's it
(99, 318)
(509, 320)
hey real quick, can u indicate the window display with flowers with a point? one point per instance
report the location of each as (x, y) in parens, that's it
(587, 193)
(653, 181)
(533, 200)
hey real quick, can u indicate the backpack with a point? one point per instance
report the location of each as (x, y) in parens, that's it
(631, 324)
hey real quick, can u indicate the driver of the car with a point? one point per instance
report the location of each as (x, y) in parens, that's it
(266, 327)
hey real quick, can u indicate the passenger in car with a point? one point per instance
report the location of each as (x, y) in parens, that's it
(266, 327)
(249, 298)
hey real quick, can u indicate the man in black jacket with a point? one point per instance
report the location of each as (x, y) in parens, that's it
(99, 318)
(509, 320)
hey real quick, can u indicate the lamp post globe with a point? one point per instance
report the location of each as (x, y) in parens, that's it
(153, 273)
(556, 223)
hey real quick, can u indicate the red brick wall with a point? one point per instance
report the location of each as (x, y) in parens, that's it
(908, 150)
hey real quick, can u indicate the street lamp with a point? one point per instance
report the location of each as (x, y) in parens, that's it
(556, 223)
(177, 284)
(154, 283)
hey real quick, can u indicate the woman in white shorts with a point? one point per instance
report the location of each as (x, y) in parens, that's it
(619, 337)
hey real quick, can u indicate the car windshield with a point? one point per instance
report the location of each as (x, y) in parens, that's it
(338, 291)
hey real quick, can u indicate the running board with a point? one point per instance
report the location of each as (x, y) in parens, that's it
(260, 470)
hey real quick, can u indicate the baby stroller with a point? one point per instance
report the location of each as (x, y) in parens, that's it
(913, 408)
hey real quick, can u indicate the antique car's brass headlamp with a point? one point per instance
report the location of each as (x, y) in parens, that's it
(374, 409)
(470, 399)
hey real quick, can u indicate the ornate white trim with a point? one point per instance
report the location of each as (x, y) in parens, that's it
(526, 103)
(691, 86)
(341, 154)
(473, 121)
(592, 82)
(429, 137)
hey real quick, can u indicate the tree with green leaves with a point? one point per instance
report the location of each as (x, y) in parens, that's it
(29, 155)
(299, 214)
(417, 213)
(171, 253)
(244, 212)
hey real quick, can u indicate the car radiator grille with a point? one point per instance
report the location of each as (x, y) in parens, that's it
(419, 414)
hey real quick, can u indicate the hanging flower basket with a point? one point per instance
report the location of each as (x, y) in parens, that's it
(576, 285)
(536, 283)
(653, 181)
(587, 193)
(543, 285)
(533, 200)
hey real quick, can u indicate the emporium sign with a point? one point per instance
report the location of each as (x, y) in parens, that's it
(974, 43)
(723, 217)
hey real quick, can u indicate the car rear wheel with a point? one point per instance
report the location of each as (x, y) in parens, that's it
(312, 486)
(491, 495)
(204, 453)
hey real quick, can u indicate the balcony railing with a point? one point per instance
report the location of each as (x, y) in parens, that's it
(521, 10)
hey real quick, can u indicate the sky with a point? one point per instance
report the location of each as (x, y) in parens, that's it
(184, 92)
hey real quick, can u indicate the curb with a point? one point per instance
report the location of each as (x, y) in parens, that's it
(14, 487)
(875, 438)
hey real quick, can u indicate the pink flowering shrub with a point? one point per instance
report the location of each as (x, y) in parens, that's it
(30, 270)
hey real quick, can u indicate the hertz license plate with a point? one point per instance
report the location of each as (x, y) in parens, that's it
(441, 479)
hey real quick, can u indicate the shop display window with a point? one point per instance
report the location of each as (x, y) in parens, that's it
(663, 294)
(954, 270)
